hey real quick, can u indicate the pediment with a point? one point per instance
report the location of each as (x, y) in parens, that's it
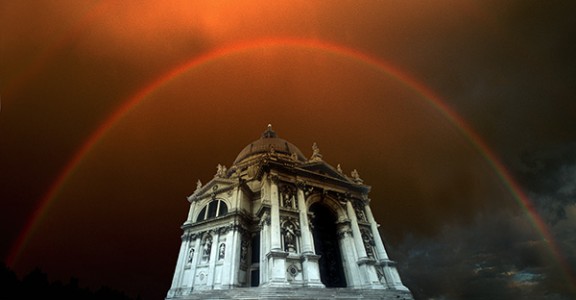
(324, 169)
(216, 185)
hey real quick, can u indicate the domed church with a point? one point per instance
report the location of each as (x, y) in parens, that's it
(277, 224)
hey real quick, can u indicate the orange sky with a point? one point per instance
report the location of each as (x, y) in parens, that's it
(67, 66)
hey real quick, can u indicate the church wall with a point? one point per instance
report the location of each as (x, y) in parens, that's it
(271, 200)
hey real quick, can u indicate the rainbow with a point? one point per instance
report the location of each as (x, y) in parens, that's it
(310, 44)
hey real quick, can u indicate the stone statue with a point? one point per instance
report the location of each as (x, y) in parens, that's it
(243, 251)
(294, 156)
(207, 248)
(316, 156)
(198, 184)
(220, 171)
(289, 238)
(356, 177)
(190, 255)
(221, 251)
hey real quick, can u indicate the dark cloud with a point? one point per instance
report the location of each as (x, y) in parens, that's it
(498, 256)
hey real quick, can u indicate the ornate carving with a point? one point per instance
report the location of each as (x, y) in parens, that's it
(194, 236)
(287, 192)
(380, 273)
(368, 240)
(301, 184)
(294, 156)
(274, 178)
(264, 220)
(359, 210)
(308, 190)
(292, 270)
(244, 252)
(224, 229)
(198, 185)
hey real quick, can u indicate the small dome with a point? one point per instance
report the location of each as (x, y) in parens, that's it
(265, 143)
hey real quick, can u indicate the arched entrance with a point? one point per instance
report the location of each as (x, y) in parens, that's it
(326, 245)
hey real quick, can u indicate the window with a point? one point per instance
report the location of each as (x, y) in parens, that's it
(215, 208)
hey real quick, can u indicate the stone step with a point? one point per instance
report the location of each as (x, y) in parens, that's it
(299, 293)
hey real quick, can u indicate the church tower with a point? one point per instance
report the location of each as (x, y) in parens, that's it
(277, 224)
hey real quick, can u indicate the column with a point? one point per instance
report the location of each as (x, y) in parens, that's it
(276, 243)
(307, 238)
(380, 250)
(264, 248)
(197, 257)
(229, 268)
(191, 212)
(212, 260)
(277, 256)
(178, 272)
(310, 267)
(358, 242)
(391, 275)
(349, 256)
(365, 264)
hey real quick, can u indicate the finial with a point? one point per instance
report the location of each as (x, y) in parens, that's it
(198, 184)
(269, 133)
(339, 168)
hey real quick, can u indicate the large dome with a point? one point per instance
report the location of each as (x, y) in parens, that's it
(269, 140)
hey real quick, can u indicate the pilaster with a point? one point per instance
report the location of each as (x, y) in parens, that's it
(212, 259)
(307, 238)
(276, 243)
(389, 272)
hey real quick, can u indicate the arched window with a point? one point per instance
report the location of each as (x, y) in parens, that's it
(215, 208)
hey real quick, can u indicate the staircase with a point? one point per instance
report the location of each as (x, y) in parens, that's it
(298, 293)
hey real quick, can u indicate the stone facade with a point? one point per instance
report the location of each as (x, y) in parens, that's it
(276, 219)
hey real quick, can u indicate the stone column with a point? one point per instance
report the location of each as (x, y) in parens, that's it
(179, 271)
(349, 256)
(307, 238)
(197, 238)
(191, 212)
(365, 263)
(212, 259)
(229, 270)
(380, 250)
(390, 273)
(276, 243)
(310, 267)
(264, 247)
(277, 256)
(358, 242)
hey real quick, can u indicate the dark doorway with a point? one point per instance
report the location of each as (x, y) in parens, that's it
(326, 244)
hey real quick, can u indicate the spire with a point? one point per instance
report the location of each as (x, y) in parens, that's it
(269, 133)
